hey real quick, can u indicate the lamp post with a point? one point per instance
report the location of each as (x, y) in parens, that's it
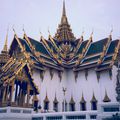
(64, 92)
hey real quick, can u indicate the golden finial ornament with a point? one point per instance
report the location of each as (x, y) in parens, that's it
(13, 30)
(23, 30)
(6, 42)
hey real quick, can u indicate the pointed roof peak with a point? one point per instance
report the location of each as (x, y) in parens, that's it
(64, 9)
(64, 32)
(5, 48)
(64, 17)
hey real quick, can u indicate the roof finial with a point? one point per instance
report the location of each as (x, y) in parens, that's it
(83, 32)
(48, 31)
(64, 10)
(6, 41)
(13, 30)
(111, 30)
(23, 29)
(91, 34)
(40, 34)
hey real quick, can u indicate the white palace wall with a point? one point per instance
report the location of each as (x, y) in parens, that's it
(75, 88)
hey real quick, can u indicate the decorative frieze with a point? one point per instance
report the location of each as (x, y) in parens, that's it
(110, 74)
(86, 73)
(42, 75)
(51, 73)
(60, 75)
(76, 75)
(98, 76)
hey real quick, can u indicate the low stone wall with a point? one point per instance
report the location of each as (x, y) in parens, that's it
(15, 113)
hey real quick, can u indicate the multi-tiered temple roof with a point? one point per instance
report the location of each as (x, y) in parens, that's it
(65, 51)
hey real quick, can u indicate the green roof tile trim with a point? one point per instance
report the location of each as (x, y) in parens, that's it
(74, 59)
(112, 46)
(96, 47)
(104, 66)
(107, 59)
(51, 46)
(23, 42)
(84, 43)
(48, 59)
(91, 59)
(38, 46)
(81, 67)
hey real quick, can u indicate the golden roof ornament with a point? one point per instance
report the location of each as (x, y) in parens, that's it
(64, 31)
(111, 33)
(5, 49)
(35, 98)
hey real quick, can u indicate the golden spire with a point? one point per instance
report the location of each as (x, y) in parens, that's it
(64, 10)
(64, 17)
(64, 31)
(6, 43)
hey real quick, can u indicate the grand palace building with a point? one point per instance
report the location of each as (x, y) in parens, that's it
(60, 75)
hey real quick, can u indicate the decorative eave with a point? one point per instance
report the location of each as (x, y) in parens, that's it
(78, 44)
(28, 42)
(81, 56)
(53, 55)
(115, 54)
(106, 98)
(18, 66)
(54, 44)
(105, 50)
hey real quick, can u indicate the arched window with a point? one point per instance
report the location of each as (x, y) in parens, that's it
(93, 103)
(46, 103)
(35, 99)
(106, 98)
(72, 104)
(55, 104)
(82, 104)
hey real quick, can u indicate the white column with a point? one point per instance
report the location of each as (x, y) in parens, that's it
(13, 96)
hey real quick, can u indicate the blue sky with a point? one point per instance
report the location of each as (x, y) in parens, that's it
(39, 15)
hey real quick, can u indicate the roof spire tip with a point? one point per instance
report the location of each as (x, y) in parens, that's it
(13, 29)
(64, 10)
(48, 31)
(5, 48)
(111, 30)
(23, 29)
